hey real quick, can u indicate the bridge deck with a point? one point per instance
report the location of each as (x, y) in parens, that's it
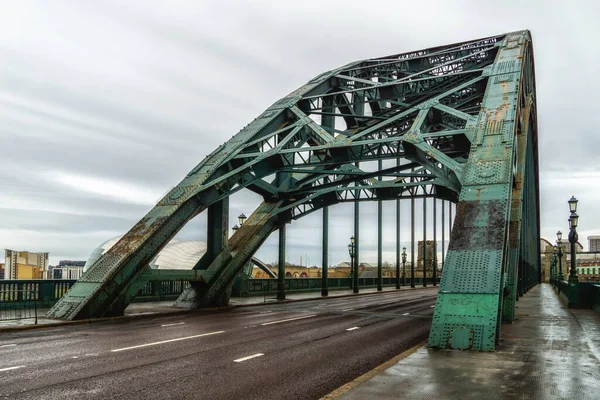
(550, 352)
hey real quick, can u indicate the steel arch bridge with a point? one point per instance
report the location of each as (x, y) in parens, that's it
(460, 123)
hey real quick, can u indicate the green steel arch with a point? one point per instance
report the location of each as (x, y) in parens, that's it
(460, 122)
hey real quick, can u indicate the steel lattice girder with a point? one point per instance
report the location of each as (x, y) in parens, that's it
(496, 229)
(422, 108)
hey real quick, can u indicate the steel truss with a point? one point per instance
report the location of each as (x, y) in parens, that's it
(434, 113)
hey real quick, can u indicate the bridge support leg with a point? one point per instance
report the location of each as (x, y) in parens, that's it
(356, 244)
(398, 241)
(434, 259)
(424, 258)
(380, 239)
(486, 230)
(325, 252)
(412, 242)
(281, 269)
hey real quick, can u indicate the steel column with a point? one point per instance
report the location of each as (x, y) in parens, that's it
(325, 252)
(434, 259)
(281, 266)
(398, 240)
(412, 242)
(380, 238)
(356, 242)
(425, 242)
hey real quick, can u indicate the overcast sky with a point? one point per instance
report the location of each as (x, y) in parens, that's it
(105, 105)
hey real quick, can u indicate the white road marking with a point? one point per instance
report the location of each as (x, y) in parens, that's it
(265, 312)
(348, 309)
(75, 357)
(176, 323)
(166, 341)
(289, 319)
(249, 357)
(406, 313)
(8, 345)
(10, 368)
(92, 354)
(353, 328)
(432, 306)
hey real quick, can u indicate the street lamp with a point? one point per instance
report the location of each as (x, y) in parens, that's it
(573, 221)
(404, 266)
(397, 275)
(553, 262)
(353, 266)
(241, 219)
(560, 254)
(235, 228)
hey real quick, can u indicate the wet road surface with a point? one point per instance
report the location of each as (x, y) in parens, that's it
(275, 351)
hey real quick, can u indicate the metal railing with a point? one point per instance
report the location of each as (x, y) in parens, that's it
(44, 292)
(267, 286)
(18, 304)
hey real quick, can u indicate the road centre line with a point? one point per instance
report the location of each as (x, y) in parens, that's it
(249, 357)
(289, 319)
(176, 323)
(353, 328)
(166, 341)
(348, 309)
(11, 368)
(8, 345)
(406, 313)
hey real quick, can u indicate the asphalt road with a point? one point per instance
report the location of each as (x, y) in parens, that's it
(298, 350)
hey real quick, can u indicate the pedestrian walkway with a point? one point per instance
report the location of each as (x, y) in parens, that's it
(166, 307)
(549, 352)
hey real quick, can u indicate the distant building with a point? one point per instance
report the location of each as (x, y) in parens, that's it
(25, 265)
(588, 270)
(67, 269)
(594, 242)
(1, 271)
(430, 259)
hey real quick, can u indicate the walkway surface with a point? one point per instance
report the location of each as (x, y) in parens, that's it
(549, 352)
(165, 307)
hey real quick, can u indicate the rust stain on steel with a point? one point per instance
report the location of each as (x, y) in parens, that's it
(479, 225)
(136, 235)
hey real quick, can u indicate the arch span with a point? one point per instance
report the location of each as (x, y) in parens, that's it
(460, 122)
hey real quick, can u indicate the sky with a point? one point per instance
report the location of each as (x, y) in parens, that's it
(106, 105)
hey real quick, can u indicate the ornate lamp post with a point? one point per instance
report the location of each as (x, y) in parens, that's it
(560, 276)
(573, 220)
(404, 266)
(397, 275)
(353, 266)
(553, 265)
(241, 219)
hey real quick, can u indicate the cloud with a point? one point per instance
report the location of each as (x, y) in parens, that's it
(107, 105)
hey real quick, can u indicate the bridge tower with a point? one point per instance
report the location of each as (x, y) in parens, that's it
(454, 122)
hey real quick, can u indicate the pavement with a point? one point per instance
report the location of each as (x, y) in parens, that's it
(549, 352)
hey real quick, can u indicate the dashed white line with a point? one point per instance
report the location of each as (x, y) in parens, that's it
(173, 324)
(166, 341)
(8, 345)
(249, 357)
(406, 313)
(266, 312)
(348, 309)
(289, 319)
(11, 368)
(353, 328)
(432, 306)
